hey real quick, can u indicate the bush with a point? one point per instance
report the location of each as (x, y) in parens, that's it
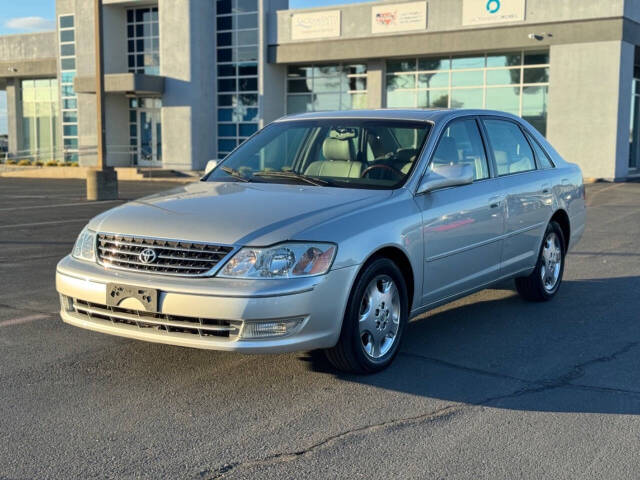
(51, 163)
(11, 162)
(74, 164)
(24, 162)
(39, 163)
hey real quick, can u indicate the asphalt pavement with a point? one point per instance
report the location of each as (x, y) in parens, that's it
(487, 387)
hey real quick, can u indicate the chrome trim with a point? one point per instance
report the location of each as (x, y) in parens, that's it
(504, 236)
(142, 319)
(132, 262)
(206, 273)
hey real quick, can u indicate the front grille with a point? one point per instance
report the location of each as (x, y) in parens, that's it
(172, 257)
(160, 322)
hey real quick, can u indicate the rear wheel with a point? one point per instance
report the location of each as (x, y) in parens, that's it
(374, 321)
(545, 280)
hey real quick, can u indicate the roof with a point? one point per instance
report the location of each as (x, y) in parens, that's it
(419, 114)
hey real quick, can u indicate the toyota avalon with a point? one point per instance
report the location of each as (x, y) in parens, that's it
(330, 231)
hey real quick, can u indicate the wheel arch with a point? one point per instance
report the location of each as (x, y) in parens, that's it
(401, 259)
(561, 217)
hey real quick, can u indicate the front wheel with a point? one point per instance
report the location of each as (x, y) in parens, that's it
(374, 321)
(545, 280)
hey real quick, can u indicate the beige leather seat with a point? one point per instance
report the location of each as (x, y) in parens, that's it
(502, 161)
(339, 160)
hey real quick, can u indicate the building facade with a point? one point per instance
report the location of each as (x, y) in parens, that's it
(188, 80)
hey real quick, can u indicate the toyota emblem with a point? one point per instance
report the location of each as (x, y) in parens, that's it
(148, 255)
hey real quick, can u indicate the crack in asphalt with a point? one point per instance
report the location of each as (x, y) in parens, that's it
(578, 371)
(444, 413)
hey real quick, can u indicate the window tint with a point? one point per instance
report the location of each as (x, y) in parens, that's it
(461, 144)
(543, 159)
(510, 148)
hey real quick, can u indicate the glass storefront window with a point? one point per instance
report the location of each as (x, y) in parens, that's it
(237, 56)
(511, 76)
(516, 82)
(504, 99)
(466, 98)
(433, 80)
(438, 98)
(68, 100)
(39, 119)
(326, 87)
(534, 107)
(467, 79)
(143, 43)
(467, 62)
(401, 98)
(504, 59)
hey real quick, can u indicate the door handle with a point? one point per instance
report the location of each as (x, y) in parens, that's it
(545, 187)
(494, 202)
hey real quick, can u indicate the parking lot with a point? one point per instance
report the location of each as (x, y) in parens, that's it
(487, 387)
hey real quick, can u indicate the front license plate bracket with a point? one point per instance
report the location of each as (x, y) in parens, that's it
(116, 293)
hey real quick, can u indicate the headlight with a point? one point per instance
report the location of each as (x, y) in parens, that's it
(287, 260)
(85, 247)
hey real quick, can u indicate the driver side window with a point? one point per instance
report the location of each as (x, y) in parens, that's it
(461, 144)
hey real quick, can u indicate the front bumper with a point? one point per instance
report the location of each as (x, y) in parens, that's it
(315, 304)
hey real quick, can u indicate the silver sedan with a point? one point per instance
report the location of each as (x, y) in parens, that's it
(329, 231)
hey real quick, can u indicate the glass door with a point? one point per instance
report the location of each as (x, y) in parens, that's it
(149, 138)
(634, 138)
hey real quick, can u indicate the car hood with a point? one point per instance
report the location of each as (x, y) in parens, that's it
(234, 213)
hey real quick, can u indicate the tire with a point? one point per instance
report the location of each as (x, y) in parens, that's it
(544, 282)
(374, 321)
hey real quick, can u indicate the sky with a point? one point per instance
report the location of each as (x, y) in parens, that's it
(27, 16)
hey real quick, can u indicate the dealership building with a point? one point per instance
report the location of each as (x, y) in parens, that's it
(186, 81)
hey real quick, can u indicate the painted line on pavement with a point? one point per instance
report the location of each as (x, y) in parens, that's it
(30, 207)
(37, 224)
(22, 320)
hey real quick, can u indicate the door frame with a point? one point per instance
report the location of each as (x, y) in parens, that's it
(154, 115)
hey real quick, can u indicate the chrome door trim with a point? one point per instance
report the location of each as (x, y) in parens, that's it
(484, 242)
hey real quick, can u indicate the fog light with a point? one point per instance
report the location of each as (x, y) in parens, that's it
(277, 328)
(66, 303)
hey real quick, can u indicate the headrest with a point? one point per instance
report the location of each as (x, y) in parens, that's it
(447, 151)
(501, 157)
(406, 155)
(337, 149)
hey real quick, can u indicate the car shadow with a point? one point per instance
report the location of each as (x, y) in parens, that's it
(579, 352)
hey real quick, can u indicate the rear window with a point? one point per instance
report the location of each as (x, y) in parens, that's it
(510, 148)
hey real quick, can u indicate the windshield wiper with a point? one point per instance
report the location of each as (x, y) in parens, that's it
(297, 176)
(234, 173)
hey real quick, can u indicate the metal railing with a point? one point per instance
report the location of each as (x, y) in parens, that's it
(121, 155)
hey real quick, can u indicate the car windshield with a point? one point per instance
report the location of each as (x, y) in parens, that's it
(350, 153)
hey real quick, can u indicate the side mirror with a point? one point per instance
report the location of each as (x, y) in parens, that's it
(442, 176)
(211, 164)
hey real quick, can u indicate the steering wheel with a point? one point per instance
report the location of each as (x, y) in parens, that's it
(382, 165)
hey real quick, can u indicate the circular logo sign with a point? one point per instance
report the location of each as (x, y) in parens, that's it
(493, 6)
(148, 255)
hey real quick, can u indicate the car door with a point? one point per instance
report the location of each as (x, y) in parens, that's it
(462, 225)
(528, 193)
